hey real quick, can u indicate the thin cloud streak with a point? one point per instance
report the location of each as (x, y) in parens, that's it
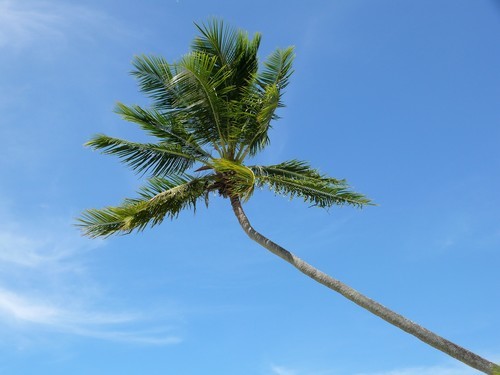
(428, 370)
(21, 25)
(432, 370)
(22, 310)
(281, 370)
(14, 306)
(29, 23)
(31, 310)
(24, 251)
(65, 295)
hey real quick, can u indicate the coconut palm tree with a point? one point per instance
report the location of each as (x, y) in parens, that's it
(211, 111)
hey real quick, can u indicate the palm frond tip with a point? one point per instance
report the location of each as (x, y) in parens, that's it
(160, 198)
(297, 179)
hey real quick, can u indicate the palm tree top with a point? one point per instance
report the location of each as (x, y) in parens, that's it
(210, 112)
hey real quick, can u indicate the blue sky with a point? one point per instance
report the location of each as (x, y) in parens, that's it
(399, 97)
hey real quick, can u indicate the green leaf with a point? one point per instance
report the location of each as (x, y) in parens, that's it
(199, 89)
(160, 198)
(230, 47)
(158, 159)
(268, 104)
(277, 68)
(165, 126)
(154, 73)
(297, 179)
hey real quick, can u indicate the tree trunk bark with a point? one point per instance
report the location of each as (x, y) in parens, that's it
(374, 307)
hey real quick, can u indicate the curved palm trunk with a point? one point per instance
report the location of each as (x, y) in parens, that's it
(374, 307)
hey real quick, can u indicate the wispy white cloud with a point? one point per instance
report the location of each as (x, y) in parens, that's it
(20, 24)
(25, 314)
(285, 370)
(31, 311)
(431, 370)
(28, 23)
(281, 370)
(21, 250)
(44, 285)
(452, 369)
(28, 309)
(12, 305)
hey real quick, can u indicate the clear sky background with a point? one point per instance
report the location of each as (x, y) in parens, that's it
(399, 97)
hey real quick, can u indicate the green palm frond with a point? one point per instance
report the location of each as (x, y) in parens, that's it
(217, 40)
(165, 126)
(153, 74)
(157, 159)
(268, 104)
(162, 197)
(263, 99)
(246, 64)
(233, 50)
(230, 47)
(297, 179)
(201, 89)
(277, 68)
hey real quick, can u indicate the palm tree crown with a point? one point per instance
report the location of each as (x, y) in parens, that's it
(210, 112)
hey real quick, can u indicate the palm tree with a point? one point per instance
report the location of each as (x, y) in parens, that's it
(210, 112)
